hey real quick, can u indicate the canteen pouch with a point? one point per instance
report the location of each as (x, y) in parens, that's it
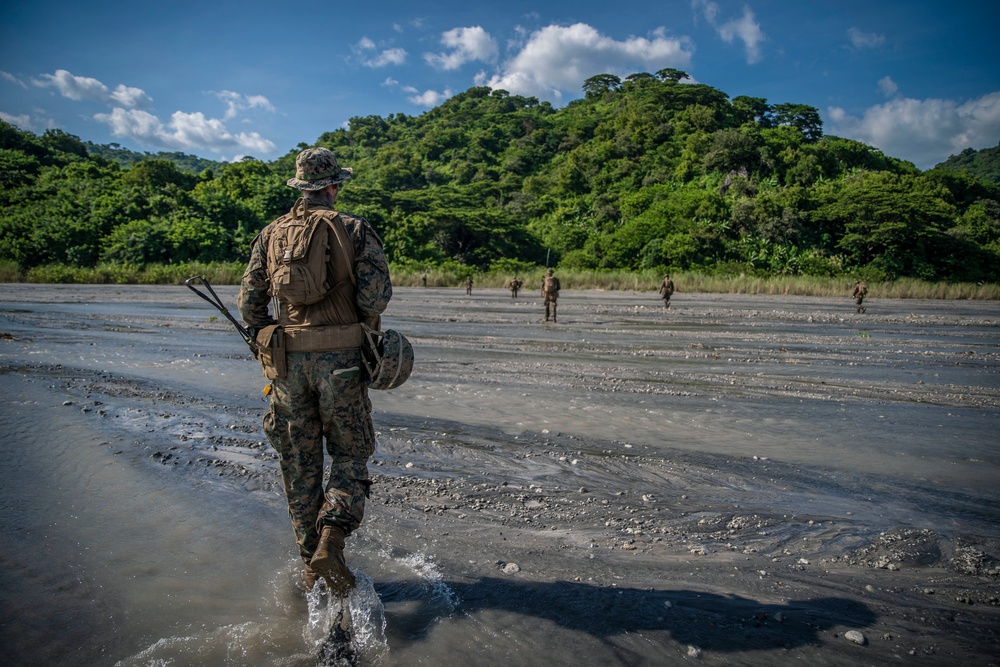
(271, 346)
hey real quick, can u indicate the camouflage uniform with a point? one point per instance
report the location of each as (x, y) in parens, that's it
(550, 292)
(666, 290)
(313, 402)
(859, 293)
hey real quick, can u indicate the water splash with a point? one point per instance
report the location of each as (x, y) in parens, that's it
(351, 633)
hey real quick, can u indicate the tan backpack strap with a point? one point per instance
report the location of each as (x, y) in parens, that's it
(344, 242)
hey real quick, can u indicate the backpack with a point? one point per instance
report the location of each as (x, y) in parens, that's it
(550, 285)
(300, 269)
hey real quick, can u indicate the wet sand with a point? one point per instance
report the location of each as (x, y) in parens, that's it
(740, 480)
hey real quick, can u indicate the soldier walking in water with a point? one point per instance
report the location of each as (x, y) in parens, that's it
(550, 292)
(468, 286)
(859, 293)
(319, 399)
(515, 285)
(666, 290)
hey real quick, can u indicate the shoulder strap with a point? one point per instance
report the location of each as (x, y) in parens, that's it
(344, 241)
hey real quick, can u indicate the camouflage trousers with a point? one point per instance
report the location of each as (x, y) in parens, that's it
(314, 409)
(550, 303)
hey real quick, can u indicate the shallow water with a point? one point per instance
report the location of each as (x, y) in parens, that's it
(145, 523)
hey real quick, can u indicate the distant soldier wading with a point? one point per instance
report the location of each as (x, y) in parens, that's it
(666, 290)
(858, 294)
(550, 292)
(328, 274)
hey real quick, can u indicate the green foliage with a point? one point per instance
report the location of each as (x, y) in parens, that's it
(123, 157)
(983, 165)
(642, 174)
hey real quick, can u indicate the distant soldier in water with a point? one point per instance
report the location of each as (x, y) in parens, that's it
(666, 290)
(423, 278)
(515, 285)
(550, 292)
(468, 286)
(859, 293)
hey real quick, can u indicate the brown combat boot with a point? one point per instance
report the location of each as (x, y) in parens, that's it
(328, 561)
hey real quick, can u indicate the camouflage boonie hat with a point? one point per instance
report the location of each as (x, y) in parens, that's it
(316, 168)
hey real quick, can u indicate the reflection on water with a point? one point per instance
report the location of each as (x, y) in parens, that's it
(144, 526)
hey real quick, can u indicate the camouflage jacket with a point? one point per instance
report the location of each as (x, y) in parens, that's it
(374, 289)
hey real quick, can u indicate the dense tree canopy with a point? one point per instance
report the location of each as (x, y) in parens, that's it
(642, 172)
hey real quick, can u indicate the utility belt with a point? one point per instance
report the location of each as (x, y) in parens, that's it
(275, 341)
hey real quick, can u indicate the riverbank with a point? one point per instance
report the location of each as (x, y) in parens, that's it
(741, 479)
(456, 277)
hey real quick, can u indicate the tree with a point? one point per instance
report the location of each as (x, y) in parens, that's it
(671, 74)
(753, 110)
(601, 84)
(802, 116)
(891, 222)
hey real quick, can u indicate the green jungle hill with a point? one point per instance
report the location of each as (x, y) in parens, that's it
(645, 173)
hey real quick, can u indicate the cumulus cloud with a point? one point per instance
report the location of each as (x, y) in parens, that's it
(466, 44)
(236, 102)
(745, 28)
(184, 132)
(388, 57)
(7, 76)
(888, 86)
(428, 98)
(23, 121)
(924, 132)
(556, 59)
(395, 56)
(87, 88)
(865, 40)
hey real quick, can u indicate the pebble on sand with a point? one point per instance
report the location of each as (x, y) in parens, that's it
(856, 636)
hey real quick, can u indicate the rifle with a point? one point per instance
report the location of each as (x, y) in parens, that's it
(217, 303)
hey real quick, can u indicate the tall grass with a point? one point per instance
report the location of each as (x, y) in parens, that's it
(649, 281)
(153, 274)
(230, 273)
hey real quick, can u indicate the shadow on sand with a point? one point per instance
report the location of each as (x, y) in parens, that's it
(722, 623)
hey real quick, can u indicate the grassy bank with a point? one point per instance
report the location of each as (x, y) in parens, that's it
(645, 281)
(649, 281)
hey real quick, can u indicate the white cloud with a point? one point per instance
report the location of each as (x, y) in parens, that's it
(428, 98)
(87, 88)
(748, 31)
(466, 44)
(236, 102)
(865, 40)
(395, 56)
(388, 57)
(7, 76)
(23, 122)
(888, 86)
(184, 132)
(924, 132)
(746, 28)
(556, 59)
(128, 96)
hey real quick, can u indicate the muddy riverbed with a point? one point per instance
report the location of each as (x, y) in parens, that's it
(739, 480)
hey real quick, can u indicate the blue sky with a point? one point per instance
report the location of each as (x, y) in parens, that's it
(919, 80)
